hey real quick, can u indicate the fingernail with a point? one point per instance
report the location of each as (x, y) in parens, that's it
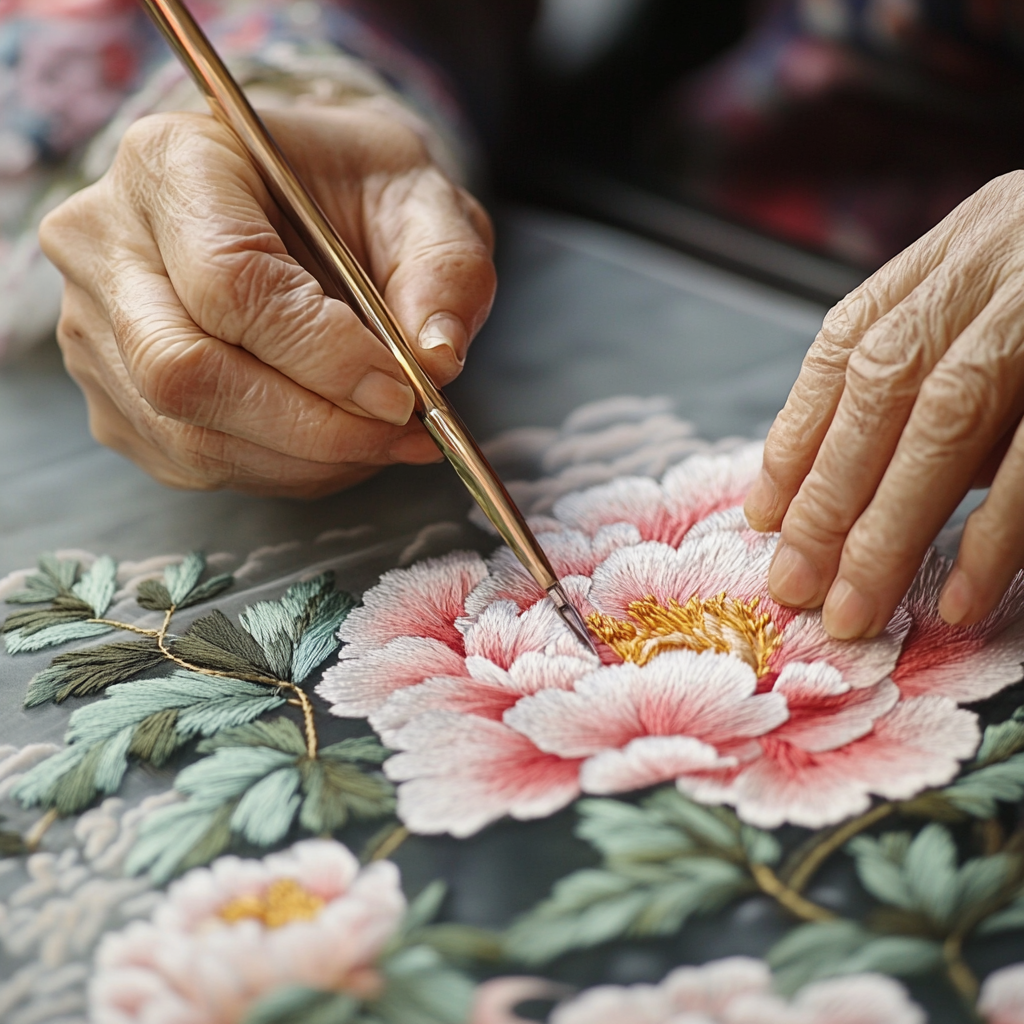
(382, 397)
(445, 330)
(761, 501)
(415, 448)
(957, 598)
(792, 579)
(847, 613)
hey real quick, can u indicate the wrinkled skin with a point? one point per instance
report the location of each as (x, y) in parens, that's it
(207, 351)
(911, 394)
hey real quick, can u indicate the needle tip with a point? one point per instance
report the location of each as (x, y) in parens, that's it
(571, 617)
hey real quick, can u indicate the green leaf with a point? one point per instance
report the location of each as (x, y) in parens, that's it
(978, 792)
(835, 948)
(596, 905)
(922, 876)
(181, 581)
(229, 772)
(178, 837)
(155, 716)
(760, 847)
(266, 811)
(1010, 918)
(97, 586)
(425, 907)
(297, 632)
(154, 596)
(212, 642)
(419, 988)
(361, 748)
(335, 791)
(461, 942)
(36, 630)
(278, 734)
(54, 579)
(83, 673)
(298, 1005)
(1001, 741)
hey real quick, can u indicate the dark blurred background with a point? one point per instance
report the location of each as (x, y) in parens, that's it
(803, 141)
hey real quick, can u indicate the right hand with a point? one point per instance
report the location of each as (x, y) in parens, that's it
(194, 322)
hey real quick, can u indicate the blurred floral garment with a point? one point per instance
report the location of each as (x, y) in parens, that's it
(226, 935)
(849, 126)
(462, 667)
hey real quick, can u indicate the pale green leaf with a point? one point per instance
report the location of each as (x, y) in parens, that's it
(181, 577)
(420, 989)
(279, 733)
(19, 641)
(1010, 918)
(97, 585)
(229, 772)
(298, 1005)
(977, 792)
(1002, 740)
(266, 811)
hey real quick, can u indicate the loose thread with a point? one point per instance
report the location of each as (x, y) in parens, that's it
(805, 870)
(34, 836)
(787, 897)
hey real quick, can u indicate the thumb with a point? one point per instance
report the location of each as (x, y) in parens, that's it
(437, 270)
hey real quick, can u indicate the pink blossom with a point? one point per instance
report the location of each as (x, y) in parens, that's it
(1002, 996)
(226, 935)
(463, 667)
(738, 990)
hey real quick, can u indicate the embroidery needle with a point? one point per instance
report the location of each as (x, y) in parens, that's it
(229, 104)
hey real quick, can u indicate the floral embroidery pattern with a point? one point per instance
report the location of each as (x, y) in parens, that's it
(729, 715)
(703, 679)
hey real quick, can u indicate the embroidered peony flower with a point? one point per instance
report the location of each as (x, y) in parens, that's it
(738, 990)
(463, 668)
(228, 934)
(1002, 996)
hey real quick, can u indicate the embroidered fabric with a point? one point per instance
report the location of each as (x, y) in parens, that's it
(218, 900)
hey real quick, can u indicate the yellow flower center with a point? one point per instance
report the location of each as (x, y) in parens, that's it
(281, 903)
(721, 624)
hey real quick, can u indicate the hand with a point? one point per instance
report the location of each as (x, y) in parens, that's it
(911, 394)
(194, 322)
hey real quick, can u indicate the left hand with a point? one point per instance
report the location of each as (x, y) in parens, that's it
(911, 394)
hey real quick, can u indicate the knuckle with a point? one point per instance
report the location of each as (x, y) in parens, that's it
(889, 363)
(956, 406)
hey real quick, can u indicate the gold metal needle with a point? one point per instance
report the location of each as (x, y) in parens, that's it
(230, 106)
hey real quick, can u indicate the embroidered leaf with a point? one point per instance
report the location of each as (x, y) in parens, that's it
(1001, 741)
(593, 906)
(1010, 918)
(833, 948)
(335, 791)
(419, 988)
(265, 812)
(213, 642)
(921, 875)
(278, 734)
(179, 837)
(55, 579)
(978, 792)
(181, 587)
(154, 717)
(298, 1005)
(73, 605)
(361, 748)
(82, 673)
(297, 632)
(424, 908)
(97, 585)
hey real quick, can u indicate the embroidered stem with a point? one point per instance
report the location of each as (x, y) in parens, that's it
(390, 844)
(806, 869)
(34, 836)
(960, 975)
(127, 627)
(788, 897)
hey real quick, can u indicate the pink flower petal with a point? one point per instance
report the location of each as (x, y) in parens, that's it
(824, 713)
(649, 760)
(1002, 996)
(458, 773)
(503, 634)
(488, 693)
(916, 745)
(422, 601)
(860, 662)
(357, 687)
(679, 693)
(965, 664)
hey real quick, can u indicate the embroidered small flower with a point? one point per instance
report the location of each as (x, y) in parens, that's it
(738, 990)
(463, 668)
(1002, 996)
(226, 935)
